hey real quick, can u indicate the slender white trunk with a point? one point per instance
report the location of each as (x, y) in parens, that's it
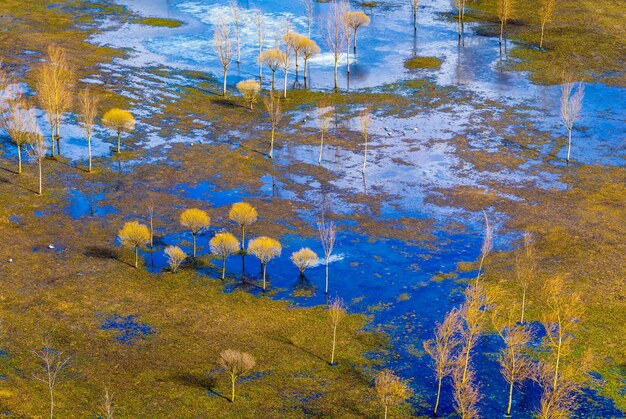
(89, 150)
(319, 161)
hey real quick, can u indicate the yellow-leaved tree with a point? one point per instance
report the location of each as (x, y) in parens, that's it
(245, 215)
(134, 236)
(223, 245)
(196, 221)
(265, 249)
(119, 121)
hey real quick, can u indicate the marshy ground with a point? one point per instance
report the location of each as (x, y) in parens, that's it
(449, 139)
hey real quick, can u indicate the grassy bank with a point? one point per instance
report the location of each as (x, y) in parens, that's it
(585, 37)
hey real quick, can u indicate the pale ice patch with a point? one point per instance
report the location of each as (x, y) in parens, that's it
(333, 258)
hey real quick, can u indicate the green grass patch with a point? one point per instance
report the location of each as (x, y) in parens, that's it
(158, 21)
(416, 63)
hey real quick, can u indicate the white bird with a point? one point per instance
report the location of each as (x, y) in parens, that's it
(10, 260)
(50, 246)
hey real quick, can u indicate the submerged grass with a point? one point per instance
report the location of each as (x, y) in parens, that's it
(158, 21)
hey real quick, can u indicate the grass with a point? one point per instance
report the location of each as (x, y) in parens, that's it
(159, 22)
(67, 296)
(429, 63)
(584, 37)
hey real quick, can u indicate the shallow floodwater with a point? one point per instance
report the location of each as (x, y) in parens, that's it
(389, 278)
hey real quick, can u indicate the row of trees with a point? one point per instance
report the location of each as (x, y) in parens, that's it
(342, 26)
(489, 309)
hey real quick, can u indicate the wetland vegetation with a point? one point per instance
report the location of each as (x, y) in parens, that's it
(228, 209)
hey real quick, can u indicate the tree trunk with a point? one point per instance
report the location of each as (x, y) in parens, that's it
(523, 305)
(232, 390)
(327, 275)
(336, 64)
(19, 159)
(569, 143)
(332, 355)
(40, 176)
(348, 55)
(501, 30)
(305, 69)
(272, 143)
(119, 141)
(296, 65)
(264, 269)
(319, 161)
(365, 156)
(51, 402)
(354, 43)
(224, 90)
(52, 140)
(223, 267)
(285, 86)
(438, 395)
(194, 244)
(136, 257)
(273, 79)
(58, 134)
(386, 410)
(508, 408)
(543, 25)
(558, 360)
(243, 236)
(89, 150)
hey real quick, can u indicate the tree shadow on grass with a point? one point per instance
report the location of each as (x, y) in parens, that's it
(290, 342)
(101, 252)
(199, 381)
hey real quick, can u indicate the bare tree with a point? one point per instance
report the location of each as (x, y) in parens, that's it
(560, 320)
(107, 405)
(324, 118)
(236, 364)
(336, 312)
(284, 65)
(335, 33)
(328, 234)
(545, 15)
(364, 122)
(571, 105)
(472, 312)
(308, 10)
(525, 269)
(20, 123)
(223, 48)
(391, 389)
(54, 85)
(515, 365)
(52, 363)
(505, 8)
(275, 114)
(88, 111)
(460, 6)
(37, 151)
(466, 393)
(236, 12)
(442, 349)
(151, 223)
(486, 247)
(259, 22)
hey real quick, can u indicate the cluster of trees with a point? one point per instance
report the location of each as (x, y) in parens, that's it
(342, 26)
(56, 95)
(489, 309)
(135, 236)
